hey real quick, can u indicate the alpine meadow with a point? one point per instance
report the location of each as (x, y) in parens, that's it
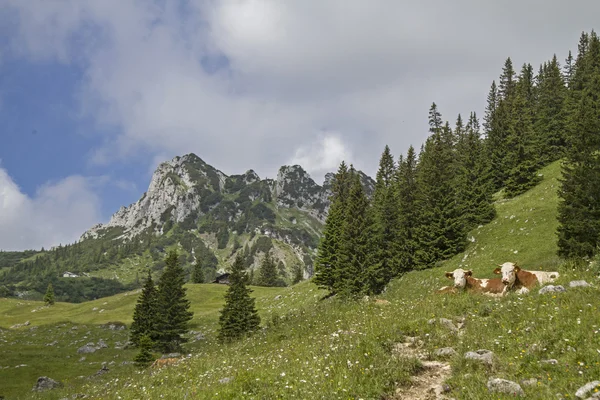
(235, 287)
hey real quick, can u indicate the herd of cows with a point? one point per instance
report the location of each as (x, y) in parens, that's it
(513, 279)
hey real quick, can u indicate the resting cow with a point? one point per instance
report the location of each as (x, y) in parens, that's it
(463, 279)
(513, 277)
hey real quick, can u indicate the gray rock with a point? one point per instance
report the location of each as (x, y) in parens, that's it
(278, 297)
(171, 355)
(448, 324)
(552, 289)
(579, 284)
(86, 349)
(529, 382)
(101, 371)
(551, 361)
(445, 352)
(585, 390)
(74, 328)
(16, 326)
(44, 383)
(226, 380)
(505, 386)
(102, 344)
(484, 356)
(52, 343)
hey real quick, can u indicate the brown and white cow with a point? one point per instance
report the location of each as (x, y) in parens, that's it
(463, 279)
(522, 280)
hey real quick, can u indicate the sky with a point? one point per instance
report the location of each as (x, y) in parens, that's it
(95, 94)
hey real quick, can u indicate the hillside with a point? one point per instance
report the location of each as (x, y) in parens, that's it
(199, 210)
(328, 349)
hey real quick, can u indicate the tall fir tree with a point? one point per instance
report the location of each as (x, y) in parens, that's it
(198, 273)
(49, 296)
(145, 314)
(440, 231)
(408, 218)
(329, 246)
(520, 160)
(474, 184)
(145, 356)
(384, 263)
(568, 69)
(239, 316)
(351, 279)
(579, 205)
(173, 305)
(267, 272)
(550, 123)
(490, 110)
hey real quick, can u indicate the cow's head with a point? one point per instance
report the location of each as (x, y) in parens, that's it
(459, 276)
(508, 271)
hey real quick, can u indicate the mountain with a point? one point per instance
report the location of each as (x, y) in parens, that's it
(203, 212)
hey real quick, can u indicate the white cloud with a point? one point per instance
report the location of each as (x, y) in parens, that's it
(322, 155)
(59, 212)
(367, 70)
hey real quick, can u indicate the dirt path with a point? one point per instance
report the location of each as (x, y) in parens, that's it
(429, 383)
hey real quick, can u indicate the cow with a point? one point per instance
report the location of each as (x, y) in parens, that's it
(513, 277)
(463, 279)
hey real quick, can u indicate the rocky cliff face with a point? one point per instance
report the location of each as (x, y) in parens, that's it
(187, 187)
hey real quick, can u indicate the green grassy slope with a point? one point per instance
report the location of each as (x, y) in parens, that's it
(311, 349)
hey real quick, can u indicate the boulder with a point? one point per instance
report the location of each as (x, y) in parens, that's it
(86, 349)
(44, 383)
(579, 284)
(484, 356)
(587, 389)
(445, 352)
(505, 386)
(552, 289)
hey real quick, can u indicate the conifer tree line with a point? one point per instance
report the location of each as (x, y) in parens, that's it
(425, 204)
(161, 314)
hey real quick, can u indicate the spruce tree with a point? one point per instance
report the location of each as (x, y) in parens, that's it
(267, 272)
(49, 296)
(173, 306)
(198, 273)
(579, 206)
(408, 218)
(440, 230)
(490, 109)
(568, 69)
(550, 124)
(145, 356)
(328, 250)
(145, 314)
(384, 263)
(298, 274)
(474, 184)
(351, 278)
(239, 316)
(520, 159)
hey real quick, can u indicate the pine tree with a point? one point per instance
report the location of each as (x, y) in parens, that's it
(521, 159)
(173, 306)
(267, 272)
(568, 69)
(298, 273)
(145, 314)
(579, 206)
(490, 109)
(440, 230)
(351, 279)
(474, 181)
(384, 263)
(49, 296)
(550, 124)
(239, 316)
(408, 218)
(198, 273)
(328, 250)
(145, 356)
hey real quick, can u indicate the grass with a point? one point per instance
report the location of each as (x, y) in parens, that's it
(327, 349)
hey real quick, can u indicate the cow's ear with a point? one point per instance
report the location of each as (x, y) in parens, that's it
(469, 273)
(449, 275)
(497, 271)
(517, 268)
